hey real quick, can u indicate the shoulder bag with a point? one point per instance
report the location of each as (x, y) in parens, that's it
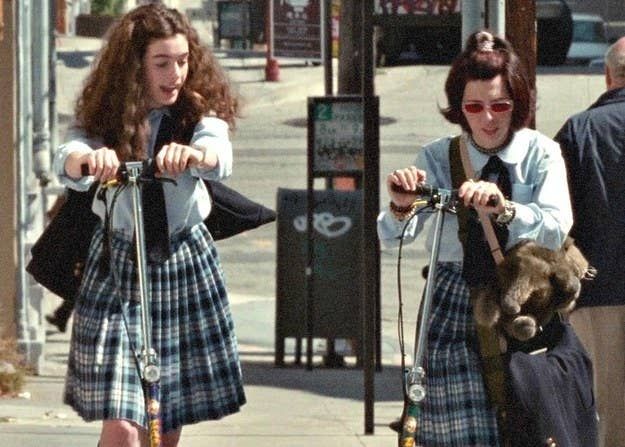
(58, 255)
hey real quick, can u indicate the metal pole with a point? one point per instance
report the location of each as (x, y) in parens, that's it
(150, 370)
(327, 45)
(472, 17)
(41, 90)
(272, 68)
(371, 207)
(496, 16)
(421, 334)
(415, 377)
(54, 117)
(23, 165)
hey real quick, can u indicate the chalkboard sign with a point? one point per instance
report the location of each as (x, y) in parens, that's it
(234, 19)
(335, 135)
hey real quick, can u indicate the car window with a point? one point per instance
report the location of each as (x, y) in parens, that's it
(588, 31)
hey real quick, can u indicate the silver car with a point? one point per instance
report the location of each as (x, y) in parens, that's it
(590, 40)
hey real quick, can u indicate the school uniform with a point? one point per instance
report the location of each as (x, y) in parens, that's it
(456, 410)
(192, 328)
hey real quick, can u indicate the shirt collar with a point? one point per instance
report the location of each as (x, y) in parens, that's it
(512, 153)
(155, 115)
(611, 96)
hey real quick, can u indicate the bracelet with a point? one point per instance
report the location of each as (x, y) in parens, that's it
(508, 214)
(403, 212)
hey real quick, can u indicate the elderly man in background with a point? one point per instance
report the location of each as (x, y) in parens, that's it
(593, 147)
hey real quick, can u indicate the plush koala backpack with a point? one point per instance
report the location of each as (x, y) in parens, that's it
(533, 283)
(537, 373)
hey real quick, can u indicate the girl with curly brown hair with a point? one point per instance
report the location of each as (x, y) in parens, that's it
(152, 74)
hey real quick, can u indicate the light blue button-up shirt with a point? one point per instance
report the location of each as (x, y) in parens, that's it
(187, 203)
(539, 190)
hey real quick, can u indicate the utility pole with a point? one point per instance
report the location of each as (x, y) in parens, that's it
(472, 18)
(496, 16)
(9, 178)
(350, 37)
(521, 33)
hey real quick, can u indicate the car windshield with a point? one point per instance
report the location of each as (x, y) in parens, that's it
(588, 31)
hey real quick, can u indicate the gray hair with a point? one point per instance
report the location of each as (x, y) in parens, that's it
(615, 60)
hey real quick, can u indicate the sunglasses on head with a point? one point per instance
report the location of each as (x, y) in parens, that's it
(505, 105)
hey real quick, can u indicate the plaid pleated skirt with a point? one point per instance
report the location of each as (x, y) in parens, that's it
(192, 334)
(456, 411)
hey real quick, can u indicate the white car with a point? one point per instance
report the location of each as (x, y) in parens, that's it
(590, 40)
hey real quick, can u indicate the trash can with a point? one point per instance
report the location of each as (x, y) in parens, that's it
(334, 308)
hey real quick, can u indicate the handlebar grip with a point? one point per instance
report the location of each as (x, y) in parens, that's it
(422, 189)
(149, 168)
(426, 190)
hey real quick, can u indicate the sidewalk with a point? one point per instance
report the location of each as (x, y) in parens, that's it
(289, 406)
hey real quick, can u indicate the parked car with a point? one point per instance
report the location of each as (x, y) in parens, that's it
(431, 30)
(590, 39)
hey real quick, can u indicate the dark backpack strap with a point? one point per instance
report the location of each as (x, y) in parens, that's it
(493, 368)
(458, 177)
(455, 163)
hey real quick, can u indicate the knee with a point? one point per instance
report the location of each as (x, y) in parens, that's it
(170, 439)
(117, 432)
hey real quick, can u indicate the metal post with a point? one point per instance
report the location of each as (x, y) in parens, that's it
(371, 207)
(23, 165)
(41, 90)
(496, 16)
(310, 267)
(272, 69)
(472, 17)
(326, 30)
(54, 117)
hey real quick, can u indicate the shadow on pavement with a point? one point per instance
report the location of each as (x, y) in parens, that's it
(343, 383)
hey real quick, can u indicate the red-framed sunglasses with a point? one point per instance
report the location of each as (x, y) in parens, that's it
(504, 105)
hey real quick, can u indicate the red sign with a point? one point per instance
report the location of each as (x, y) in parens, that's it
(297, 28)
(426, 7)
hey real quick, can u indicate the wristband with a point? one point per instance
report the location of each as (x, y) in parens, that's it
(509, 211)
(403, 212)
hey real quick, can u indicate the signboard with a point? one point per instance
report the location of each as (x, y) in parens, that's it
(297, 29)
(426, 7)
(335, 135)
(233, 19)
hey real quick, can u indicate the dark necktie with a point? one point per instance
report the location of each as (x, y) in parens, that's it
(496, 172)
(156, 229)
(478, 264)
